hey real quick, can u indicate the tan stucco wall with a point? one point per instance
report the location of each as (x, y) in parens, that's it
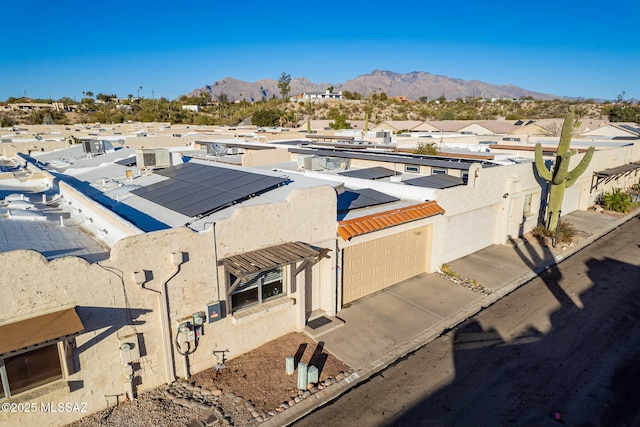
(10, 149)
(254, 158)
(308, 216)
(488, 191)
(108, 299)
(485, 194)
(157, 141)
(112, 305)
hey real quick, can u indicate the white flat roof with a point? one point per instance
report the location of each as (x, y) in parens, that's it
(41, 229)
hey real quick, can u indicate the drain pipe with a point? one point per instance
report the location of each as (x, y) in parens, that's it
(215, 253)
(338, 284)
(176, 259)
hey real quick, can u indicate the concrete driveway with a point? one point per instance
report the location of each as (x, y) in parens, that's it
(383, 323)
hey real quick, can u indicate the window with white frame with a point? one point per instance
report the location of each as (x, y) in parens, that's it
(31, 368)
(438, 171)
(408, 168)
(257, 288)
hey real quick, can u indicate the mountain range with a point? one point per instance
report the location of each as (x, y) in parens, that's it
(413, 85)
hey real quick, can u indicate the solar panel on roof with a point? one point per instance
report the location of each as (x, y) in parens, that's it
(194, 189)
(369, 173)
(197, 206)
(253, 188)
(435, 181)
(633, 129)
(355, 199)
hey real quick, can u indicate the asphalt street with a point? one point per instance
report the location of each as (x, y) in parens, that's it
(566, 344)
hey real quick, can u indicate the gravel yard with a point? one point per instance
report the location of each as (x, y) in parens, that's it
(246, 391)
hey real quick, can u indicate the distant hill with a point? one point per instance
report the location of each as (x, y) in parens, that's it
(412, 85)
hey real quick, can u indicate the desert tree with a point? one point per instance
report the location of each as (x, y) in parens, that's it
(284, 84)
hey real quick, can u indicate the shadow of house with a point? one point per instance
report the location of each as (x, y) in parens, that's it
(577, 368)
(108, 320)
(142, 220)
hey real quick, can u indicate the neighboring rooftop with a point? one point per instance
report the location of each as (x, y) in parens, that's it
(49, 228)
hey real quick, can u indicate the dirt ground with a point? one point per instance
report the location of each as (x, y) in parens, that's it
(260, 375)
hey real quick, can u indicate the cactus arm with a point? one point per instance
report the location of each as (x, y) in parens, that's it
(582, 166)
(560, 178)
(567, 130)
(542, 169)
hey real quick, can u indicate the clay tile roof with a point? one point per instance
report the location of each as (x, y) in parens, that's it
(351, 228)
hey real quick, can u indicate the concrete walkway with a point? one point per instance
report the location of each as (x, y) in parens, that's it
(382, 323)
(383, 327)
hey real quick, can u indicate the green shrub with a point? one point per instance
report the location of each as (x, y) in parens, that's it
(566, 232)
(617, 200)
(446, 269)
(426, 148)
(265, 118)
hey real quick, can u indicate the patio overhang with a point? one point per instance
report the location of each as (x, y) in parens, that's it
(39, 330)
(613, 173)
(274, 256)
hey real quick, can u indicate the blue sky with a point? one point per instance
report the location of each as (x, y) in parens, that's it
(566, 48)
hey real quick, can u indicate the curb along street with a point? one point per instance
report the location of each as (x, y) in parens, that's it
(369, 370)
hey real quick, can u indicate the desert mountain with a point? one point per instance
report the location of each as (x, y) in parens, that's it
(412, 85)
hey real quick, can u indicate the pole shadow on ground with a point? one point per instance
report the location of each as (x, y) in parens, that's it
(580, 371)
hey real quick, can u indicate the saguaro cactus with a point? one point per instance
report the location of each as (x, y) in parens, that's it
(560, 177)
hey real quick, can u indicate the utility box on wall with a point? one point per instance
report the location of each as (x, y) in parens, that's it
(214, 312)
(129, 349)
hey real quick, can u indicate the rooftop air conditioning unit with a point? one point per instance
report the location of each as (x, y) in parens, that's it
(314, 163)
(93, 146)
(153, 158)
(336, 163)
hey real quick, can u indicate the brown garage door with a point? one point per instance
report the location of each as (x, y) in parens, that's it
(374, 265)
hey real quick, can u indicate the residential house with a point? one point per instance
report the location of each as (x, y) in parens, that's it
(181, 255)
(185, 255)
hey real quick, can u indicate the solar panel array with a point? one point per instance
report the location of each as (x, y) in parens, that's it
(356, 199)
(195, 189)
(435, 181)
(634, 129)
(369, 173)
